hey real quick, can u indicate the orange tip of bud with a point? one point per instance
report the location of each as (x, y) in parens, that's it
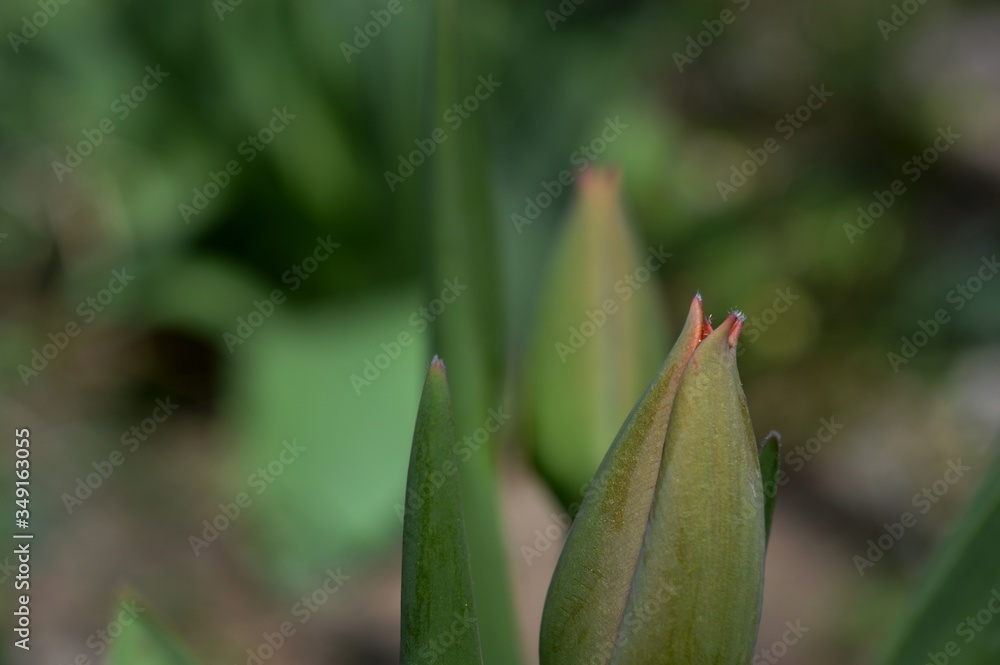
(738, 318)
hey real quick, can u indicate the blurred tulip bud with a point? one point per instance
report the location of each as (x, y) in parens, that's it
(664, 564)
(600, 327)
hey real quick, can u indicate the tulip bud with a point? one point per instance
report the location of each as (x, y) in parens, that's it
(665, 562)
(590, 586)
(700, 575)
(598, 332)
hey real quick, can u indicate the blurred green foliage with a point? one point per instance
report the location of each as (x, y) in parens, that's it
(323, 176)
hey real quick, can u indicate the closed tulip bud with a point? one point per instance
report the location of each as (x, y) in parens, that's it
(598, 333)
(665, 562)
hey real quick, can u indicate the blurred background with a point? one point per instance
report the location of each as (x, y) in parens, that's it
(211, 244)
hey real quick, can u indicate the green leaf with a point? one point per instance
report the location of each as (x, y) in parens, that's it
(698, 585)
(770, 466)
(600, 328)
(144, 641)
(961, 589)
(589, 589)
(438, 607)
(469, 332)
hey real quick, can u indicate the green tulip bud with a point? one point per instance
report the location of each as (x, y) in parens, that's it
(599, 330)
(665, 562)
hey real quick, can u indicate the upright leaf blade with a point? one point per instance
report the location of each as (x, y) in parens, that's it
(770, 467)
(960, 590)
(469, 332)
(438, 607)
(144, 641)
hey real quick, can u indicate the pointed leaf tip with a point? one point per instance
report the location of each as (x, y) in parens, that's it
(769, 456)
(437, 364)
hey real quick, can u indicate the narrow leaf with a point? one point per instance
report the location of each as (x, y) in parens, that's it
(590, 586)
(770, 466)
(469, 332)
(954, 614)
(143, 641)
(437, 601)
